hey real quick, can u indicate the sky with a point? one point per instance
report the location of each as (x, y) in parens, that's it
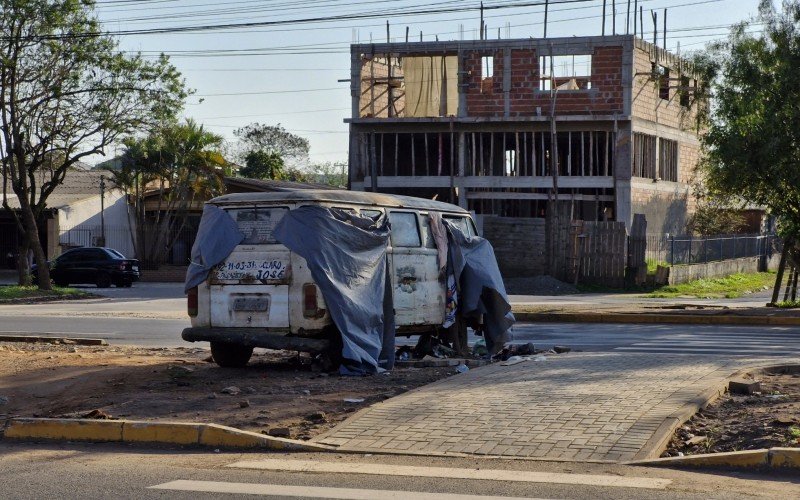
(287, 72)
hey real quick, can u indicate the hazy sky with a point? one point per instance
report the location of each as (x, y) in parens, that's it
(288, 73)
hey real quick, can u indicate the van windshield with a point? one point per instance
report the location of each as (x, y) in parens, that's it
(258, 223)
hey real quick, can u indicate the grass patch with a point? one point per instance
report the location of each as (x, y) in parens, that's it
(788, 304)
(32, 292)
(730, 287)
(652, 265)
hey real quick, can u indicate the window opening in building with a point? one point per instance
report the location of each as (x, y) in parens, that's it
(487, 67)
(644, 155)
(663, 82)
(511, 159)
(570, 72)
(668, 160)
(684, 91)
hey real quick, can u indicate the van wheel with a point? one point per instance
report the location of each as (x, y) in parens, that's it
(229, 355)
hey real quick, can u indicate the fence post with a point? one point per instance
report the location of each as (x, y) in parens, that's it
(734, 245)
(672, 250)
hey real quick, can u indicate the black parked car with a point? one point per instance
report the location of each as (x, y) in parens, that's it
(98, 265)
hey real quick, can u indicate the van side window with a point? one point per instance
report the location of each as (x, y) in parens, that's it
(405, 232)
(462, 223)
(427, 235)
(258, 223)
(372, 214)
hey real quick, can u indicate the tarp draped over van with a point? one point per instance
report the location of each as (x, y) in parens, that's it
(217, 236)
(482, 291)
(346, 255)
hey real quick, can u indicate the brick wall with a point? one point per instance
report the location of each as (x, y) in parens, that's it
(647, 104)
(666, 210)
(519, 245)
(486, 98)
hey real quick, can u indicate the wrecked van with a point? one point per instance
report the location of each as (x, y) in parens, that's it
(266, 266)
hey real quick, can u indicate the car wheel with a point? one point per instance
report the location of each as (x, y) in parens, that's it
(229, 355)
(103, 280)
(128, 284)
(61, 283)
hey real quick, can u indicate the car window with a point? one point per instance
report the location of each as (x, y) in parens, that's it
(99, 254)
(67, 256)
(257, 224)
(114, 253)
(405, 232)
(462, 223)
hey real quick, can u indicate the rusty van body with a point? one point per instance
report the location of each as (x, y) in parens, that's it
(263, 295)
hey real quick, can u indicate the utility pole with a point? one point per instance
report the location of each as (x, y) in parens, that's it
(102, 241)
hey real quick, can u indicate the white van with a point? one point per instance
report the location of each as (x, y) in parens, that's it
(263, 295)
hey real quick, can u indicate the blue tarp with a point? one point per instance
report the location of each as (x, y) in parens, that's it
(217, 236)
(346, 255)
(481, 288)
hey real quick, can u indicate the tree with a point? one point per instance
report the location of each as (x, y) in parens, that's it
(67, 93)
(291, 148)
(180, 166)
(332, 173)
(262, 165)
(752, 144)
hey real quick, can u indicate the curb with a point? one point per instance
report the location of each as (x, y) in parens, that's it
(132, 431)
(52, 340)
(688, 319)
(773, 457)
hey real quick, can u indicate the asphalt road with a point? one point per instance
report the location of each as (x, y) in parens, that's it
(113, 471)
(153, 315)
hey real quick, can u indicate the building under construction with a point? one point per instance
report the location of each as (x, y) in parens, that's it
(604, 126)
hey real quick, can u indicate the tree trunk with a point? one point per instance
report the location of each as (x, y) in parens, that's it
(32, 232)
(781, 268)
(23, 270)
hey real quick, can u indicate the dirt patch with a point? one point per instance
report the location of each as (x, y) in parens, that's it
(277, 391)
(770, 418)
(538, 285)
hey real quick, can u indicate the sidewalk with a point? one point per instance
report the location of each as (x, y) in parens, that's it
(583, 407)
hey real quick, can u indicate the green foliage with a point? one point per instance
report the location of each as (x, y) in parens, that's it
(68, 93)
(753, 132)
(330, 173)
(261, 164)
(652, 265)
(272, 139)
(730, 287)
(715, 218)
(178, 166)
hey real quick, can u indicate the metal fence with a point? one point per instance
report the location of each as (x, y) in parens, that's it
(120, 239)
(673, 249)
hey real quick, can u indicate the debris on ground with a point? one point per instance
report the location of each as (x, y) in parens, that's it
(735, 422)
(277, 390)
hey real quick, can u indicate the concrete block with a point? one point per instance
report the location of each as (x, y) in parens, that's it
(784, 457)
(742, 386)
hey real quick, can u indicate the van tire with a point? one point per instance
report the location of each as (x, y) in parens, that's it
(229, 355)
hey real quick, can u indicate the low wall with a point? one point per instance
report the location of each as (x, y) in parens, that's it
(718, 269)
(167, 274)
(519, 245)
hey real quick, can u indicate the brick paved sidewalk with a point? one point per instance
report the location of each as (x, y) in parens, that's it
(586, 407)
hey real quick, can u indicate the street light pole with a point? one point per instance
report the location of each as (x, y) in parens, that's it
(102, 211)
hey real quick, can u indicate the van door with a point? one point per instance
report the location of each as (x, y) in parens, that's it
(250, 288)
(418, 294)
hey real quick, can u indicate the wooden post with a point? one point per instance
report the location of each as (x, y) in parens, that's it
(781, 268)
(427, 156)
(396, 152)
(413, 158)
(628, 19)
(603, 31)
(491, 153)
(546, 8)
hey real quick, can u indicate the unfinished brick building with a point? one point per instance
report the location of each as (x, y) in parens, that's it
(470, 122)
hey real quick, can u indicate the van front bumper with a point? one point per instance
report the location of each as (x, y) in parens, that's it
(255, 337)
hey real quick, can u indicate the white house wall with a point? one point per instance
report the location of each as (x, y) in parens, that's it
(79, 223)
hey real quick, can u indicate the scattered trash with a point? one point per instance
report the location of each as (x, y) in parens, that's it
(232, 390)
(513, 360)
(462, 368)
(3, 400)
(479, 349)
(317, 416)
(353, 400)
(306, 392)
(283, 432)
(560, 349)
(403, 354)
(250, 390)
(540, 358)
